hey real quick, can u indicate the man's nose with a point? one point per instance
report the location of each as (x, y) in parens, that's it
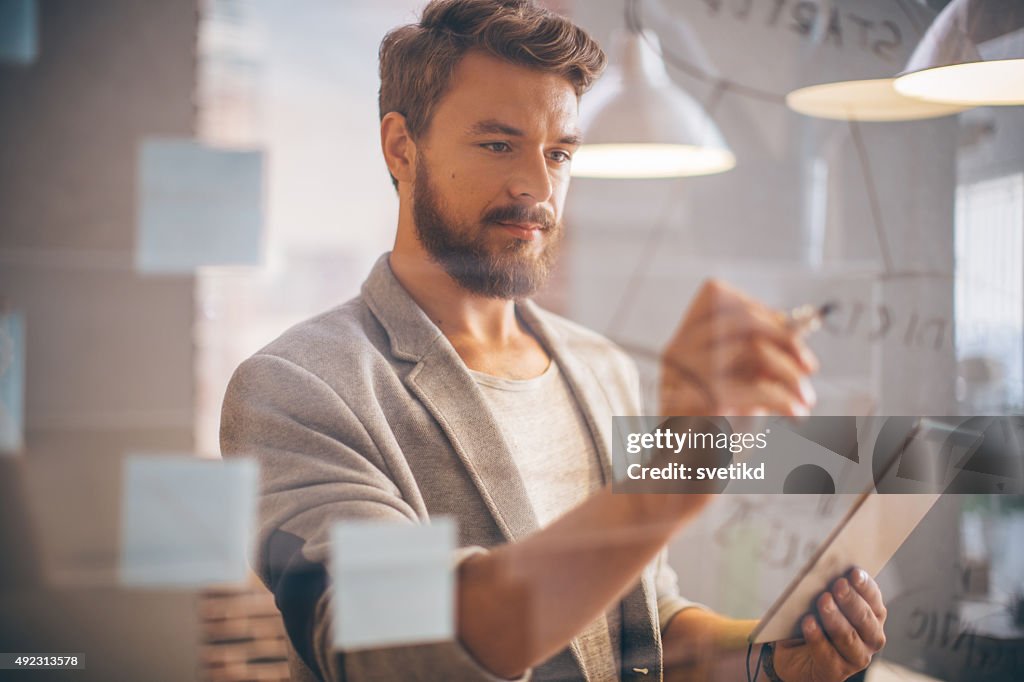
(532, 178)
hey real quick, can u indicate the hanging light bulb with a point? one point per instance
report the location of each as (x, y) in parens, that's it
(972, 54)
(638, 124)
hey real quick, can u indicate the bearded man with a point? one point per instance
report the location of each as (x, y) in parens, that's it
(442, 390)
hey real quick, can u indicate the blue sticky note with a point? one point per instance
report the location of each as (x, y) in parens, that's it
(197, 206)
(185, 521)
(19, 31)
(394, 583)
(12, 382)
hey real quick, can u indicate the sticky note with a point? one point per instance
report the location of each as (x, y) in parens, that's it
(394, 584)
(12, 382)
(197, 206)
(186, 522)
(19, 31)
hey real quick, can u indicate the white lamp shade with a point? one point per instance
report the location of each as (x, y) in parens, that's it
(864, 100)
(972, 54)
(638, 124)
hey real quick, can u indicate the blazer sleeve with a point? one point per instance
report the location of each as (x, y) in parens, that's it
(318, 464)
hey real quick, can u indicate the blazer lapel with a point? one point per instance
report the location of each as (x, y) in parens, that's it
(441, 382)
(641, 635)
(451, 395)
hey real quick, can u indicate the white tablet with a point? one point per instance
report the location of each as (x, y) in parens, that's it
(867, 536)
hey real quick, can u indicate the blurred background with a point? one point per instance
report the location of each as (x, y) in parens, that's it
(180, 181)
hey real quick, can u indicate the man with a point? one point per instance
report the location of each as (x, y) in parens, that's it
(442, 390)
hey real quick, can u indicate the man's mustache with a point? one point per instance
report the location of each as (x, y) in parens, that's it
(520, 214)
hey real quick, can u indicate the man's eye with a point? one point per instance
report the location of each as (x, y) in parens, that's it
(496, 146)
(560, 156)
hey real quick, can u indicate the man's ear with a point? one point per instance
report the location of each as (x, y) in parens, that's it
(398, 146)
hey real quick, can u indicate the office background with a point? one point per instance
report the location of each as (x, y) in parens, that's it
(131, 333)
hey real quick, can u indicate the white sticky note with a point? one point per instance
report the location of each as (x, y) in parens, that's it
(186, 522)
(197, 206)
(12, 383)
(394, 584)
(19, 31)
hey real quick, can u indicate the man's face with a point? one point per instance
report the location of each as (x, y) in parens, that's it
(492, 171)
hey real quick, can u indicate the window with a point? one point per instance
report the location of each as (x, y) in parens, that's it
(990, 293)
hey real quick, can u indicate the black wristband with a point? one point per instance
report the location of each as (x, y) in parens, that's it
(768, 663)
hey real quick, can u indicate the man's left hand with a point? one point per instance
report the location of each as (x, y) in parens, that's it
(841, 638)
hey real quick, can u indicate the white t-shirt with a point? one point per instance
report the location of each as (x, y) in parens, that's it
(558, 462)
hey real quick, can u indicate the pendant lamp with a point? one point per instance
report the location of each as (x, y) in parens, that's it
(873, 100)
(971, 55)
(865, 100)
(638, 124)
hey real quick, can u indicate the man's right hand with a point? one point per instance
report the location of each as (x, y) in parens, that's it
(732, 355)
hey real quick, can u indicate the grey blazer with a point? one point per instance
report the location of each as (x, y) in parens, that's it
(367, 412)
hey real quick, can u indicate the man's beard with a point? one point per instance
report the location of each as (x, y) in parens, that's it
(511, 272)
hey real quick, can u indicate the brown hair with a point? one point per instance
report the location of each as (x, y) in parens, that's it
(417, 60)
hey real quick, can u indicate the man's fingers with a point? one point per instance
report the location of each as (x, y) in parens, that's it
(870, 591)
(715, 296)
(765, 359)
(758, 380)
(751, 322)
(733, 355)
(760, 322)
(752, 371)
(714, 302)
(860, 615)
(844, 637)
(718, 308)
(821, 649)
(733, 322)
